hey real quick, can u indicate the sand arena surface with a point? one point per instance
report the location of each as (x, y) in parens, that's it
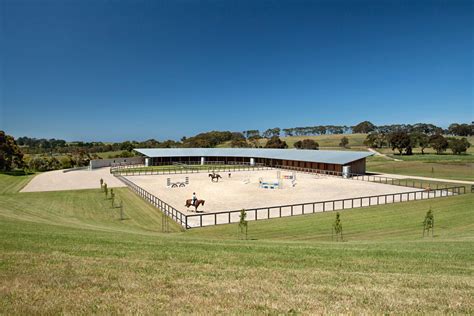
(234, 193)
(58, 180)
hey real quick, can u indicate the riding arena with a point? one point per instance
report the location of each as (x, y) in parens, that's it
(266, 183)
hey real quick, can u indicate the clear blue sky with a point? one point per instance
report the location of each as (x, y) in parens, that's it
(117, 70)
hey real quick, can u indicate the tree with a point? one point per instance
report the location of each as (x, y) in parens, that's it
(337, 228)
(208, 139)
(11, 156)
(363, 127)
(112, 196)
(428, 223)
(288, 131)
(276, 142)
(376, 140)
(461, 129)
(39, 163)
(238, 140)
(106, 190)
(306, 144)
(438, 143)
(401, 141)
(272, 132)
(344, 142)
(458, 146)
(127, 146)
(121, 210)
(421, 140)
(66, 162)
(243, 224)
(252, 134)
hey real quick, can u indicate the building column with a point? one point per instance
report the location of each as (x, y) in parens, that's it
(252, 161)
(147, 162)
(203, 160)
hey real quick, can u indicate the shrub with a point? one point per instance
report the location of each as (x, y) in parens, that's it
(344, 142)
(458, 146)
(307, 144)
(276, 142)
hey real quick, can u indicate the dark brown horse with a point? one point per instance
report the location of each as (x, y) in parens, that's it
(196, 205)
(215, 176)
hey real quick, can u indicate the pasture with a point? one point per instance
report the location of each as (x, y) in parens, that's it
(444, 167)
(68, 252)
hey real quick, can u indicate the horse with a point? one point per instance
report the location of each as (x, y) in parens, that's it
(215, 176)
(196, 205)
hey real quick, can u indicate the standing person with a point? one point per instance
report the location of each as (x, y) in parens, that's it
(194, 198)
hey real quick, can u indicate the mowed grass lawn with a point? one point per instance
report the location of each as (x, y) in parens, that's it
(449, 169)
(69, 252)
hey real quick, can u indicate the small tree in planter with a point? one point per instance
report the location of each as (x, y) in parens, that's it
(337, 228)
(428, 223)
(121, 210)
(243, 224)
(101, 182)
(112, 196)
(106, 190)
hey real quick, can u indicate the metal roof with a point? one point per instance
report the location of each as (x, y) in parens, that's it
(323, 156)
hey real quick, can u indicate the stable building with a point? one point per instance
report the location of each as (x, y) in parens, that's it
(319, 160)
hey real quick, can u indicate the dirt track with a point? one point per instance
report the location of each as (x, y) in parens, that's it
(72, 180)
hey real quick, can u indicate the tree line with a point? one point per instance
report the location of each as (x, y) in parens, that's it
(49, 146)
(404, 142)
(454, 129)
(401, 137)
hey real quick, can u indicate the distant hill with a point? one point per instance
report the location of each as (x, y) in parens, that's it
(356, 141)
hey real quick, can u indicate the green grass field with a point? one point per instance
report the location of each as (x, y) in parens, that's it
(450, 170)
(331, 141)
(13, 182)
(68, 252)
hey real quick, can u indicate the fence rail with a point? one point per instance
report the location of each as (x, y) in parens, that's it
(406, 182)
(167, 209)
(142, 171)
(227, 217)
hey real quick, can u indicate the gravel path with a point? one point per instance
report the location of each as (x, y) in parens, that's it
(58, 180)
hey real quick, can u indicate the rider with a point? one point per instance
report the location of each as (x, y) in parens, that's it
(194, 198)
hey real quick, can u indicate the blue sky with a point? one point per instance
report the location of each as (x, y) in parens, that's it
(117, 70)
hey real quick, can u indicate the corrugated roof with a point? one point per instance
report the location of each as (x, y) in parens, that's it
(323, 156)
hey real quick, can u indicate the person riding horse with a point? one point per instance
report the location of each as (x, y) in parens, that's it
(194, 198)
(214, 175)
(195, 203)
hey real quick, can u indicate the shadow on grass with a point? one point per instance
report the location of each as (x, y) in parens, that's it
(17, 173)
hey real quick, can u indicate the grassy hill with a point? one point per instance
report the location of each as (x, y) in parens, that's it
(13, 182)
(68, 252)
(447, 167)
(356, 141)
(329, 141)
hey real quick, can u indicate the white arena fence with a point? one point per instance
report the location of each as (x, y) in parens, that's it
(182, 169)
(164, 207)
(261, 213)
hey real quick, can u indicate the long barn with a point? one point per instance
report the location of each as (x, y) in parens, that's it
(325, 160)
